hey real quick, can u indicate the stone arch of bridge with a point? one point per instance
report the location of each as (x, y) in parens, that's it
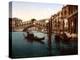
(26, 28)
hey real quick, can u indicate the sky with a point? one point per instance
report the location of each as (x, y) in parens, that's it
(36, 10)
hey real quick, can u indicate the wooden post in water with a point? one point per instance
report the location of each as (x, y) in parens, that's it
(49, 33)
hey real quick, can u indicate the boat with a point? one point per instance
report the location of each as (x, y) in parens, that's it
(62, 37)
(31, 36)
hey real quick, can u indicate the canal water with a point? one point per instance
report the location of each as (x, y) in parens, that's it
(22, 47)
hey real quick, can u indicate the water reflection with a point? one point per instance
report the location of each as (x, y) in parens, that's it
(39, 47)
(65, 45)
(57, 41)
(31, 38)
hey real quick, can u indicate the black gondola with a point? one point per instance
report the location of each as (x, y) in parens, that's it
(32, 37)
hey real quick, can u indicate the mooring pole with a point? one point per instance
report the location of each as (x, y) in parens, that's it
(49, 33)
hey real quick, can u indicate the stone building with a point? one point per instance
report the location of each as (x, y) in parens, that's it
(17, 21)
(70, 13)
(66, 20)
(13, 23)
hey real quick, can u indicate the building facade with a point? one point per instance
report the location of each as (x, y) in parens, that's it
(14, 22)
(66, 20)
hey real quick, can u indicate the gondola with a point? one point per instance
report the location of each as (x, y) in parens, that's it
(32, 37)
